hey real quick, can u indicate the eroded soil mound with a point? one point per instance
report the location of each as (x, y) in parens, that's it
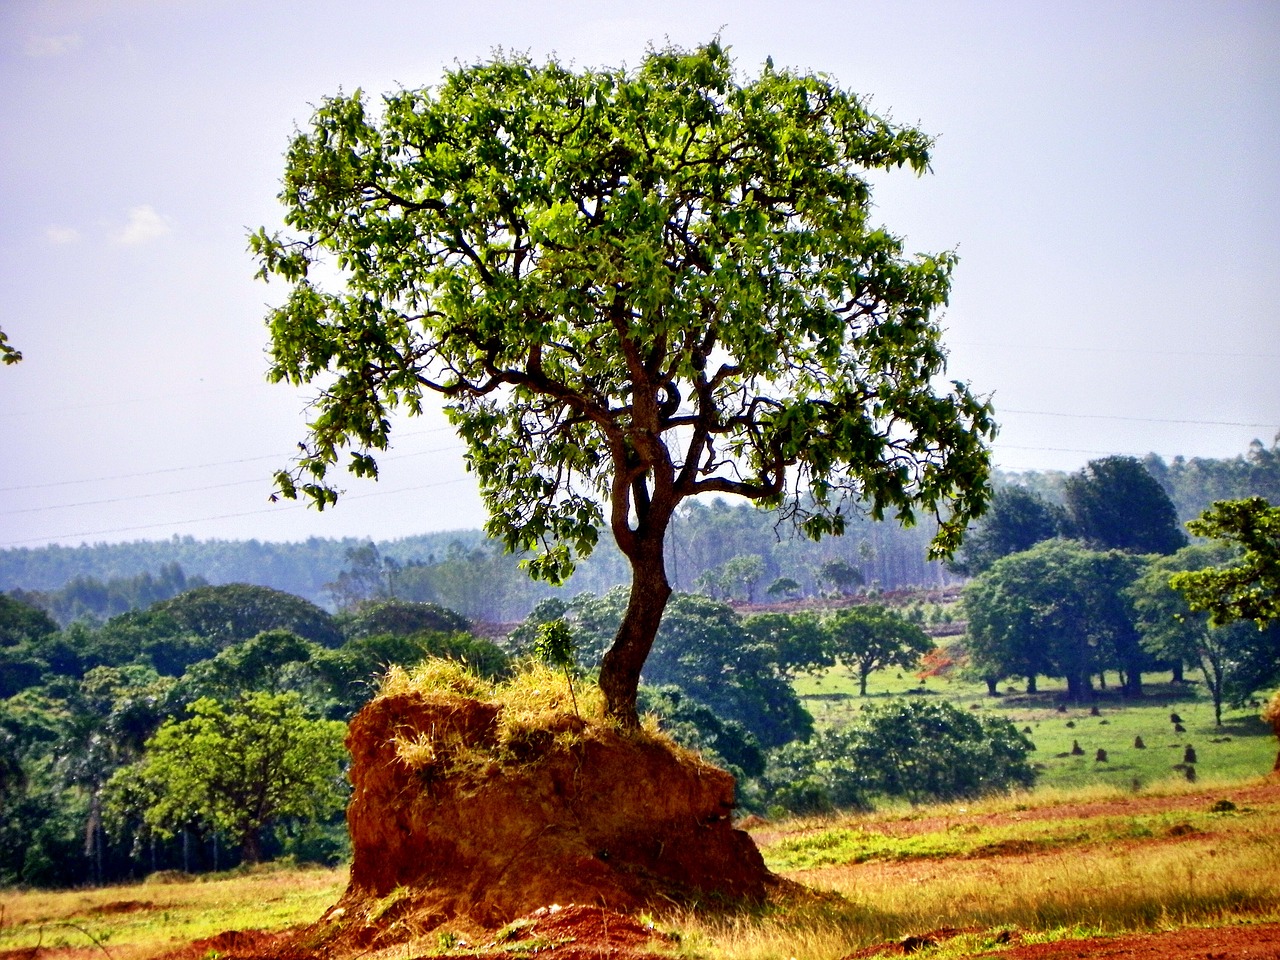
(460, 823)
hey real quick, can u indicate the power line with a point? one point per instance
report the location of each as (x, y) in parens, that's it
(1106, 416)
(194, 466)
(1052, 348)
(216, 486)
(224, 516)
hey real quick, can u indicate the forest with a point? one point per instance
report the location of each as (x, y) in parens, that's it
(466, 572)
(157, 720)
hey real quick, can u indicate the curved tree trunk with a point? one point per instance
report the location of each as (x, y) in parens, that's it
(620, 668)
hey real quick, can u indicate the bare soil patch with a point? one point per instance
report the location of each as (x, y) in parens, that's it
(1266, 793)
(1241, 942)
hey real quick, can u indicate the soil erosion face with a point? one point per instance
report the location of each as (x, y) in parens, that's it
(452, 828)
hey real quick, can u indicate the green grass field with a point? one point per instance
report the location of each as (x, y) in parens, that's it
(1242, 747)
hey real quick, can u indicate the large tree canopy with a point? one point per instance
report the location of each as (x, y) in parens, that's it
(631, 287)
(1248, 589)
(1115, 504)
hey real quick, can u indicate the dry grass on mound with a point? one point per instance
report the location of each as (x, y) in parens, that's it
(537, 710)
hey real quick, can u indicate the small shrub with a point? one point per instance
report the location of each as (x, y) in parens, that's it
(915, 749)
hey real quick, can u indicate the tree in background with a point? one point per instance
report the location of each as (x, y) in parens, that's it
(841, 574)
(741, 572)
(783, 588)
(797, 641)
(1248, 589)
(631, 287)
(400, 617)
(1114, 503)
(92, 599)
(1059, 609)
(1018, 519)
(239, 767)
(22, 622)
(272, 662)
(914, 749)
(1172, 631)
(234, 612)
(872, 637)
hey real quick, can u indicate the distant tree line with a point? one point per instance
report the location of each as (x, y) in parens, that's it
(1108, 581)
(731, 552)
(205, 730)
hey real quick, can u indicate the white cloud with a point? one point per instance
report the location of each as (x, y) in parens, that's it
(61, 235)
(144, 226)
(52, 46)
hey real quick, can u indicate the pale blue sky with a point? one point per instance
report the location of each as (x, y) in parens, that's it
(1109, 173)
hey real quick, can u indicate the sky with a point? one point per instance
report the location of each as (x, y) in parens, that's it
(1108, 172)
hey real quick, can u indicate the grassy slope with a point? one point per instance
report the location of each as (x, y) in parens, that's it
(1243, 747)
(141, 920)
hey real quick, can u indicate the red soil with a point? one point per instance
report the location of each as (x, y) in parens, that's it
(1242, 942)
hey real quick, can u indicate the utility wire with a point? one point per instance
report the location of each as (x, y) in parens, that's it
(1106, 416)
(216, 486)
(225, 516)
(194, 466)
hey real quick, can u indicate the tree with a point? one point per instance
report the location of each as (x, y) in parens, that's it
(631, 288)
(1017, 520)
(8, 353)
(706, 650)
(1058, 609)
(745, 569)
(400, 617)
(1171, 630)
(783, 587)
(1114, 503)
(917, 749)
(234, 612)
(1248, 589)
(21, 621)
(873, 637)
(241, 766)
(797, 642)
(841, 574)
(272, 661)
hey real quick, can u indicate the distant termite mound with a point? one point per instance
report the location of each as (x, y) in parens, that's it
(1271, 715)
(471, 812)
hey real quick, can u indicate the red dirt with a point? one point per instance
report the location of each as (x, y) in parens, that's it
(1241, 942)
(1266, 793)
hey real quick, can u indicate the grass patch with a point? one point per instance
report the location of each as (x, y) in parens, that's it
(843, 845)
(1101, 876)
(1243, 747)
(141, 920)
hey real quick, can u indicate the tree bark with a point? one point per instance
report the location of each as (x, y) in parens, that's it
(623, 661)
(251, 847)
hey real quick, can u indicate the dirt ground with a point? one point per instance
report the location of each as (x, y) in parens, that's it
(1243, 942)
(1267, 793)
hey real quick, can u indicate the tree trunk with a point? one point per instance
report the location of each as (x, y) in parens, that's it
(620, 668)
(1079, 686)
(1133, 682)
(992, 686)
(251, 847)
(1031, 684)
